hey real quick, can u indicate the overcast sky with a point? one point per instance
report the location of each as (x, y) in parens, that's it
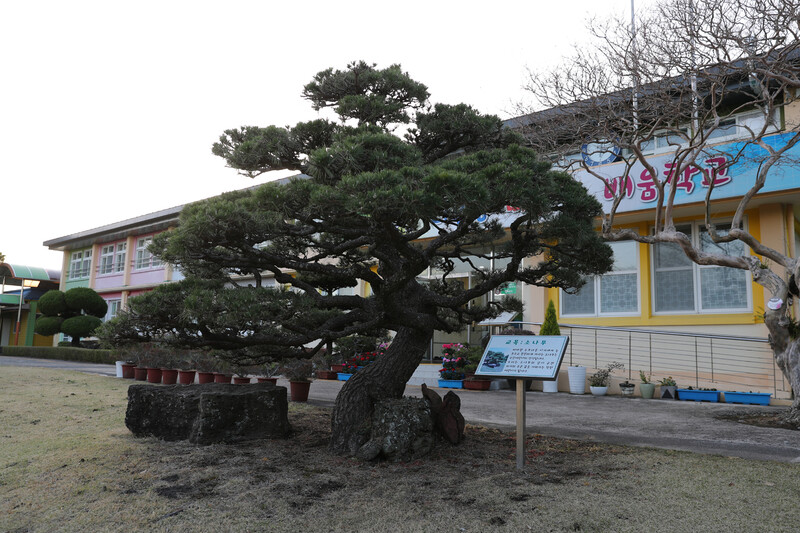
(108, 109)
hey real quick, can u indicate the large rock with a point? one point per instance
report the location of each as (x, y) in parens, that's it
(446, 413)
(209, 413)
(402, 430)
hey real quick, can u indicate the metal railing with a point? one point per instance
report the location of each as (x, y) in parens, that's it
(724, 362)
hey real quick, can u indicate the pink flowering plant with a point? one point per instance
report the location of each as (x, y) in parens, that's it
(453, 349)
(452, 362)
(350, 367)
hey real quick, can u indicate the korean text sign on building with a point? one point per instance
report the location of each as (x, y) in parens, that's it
(523, 356)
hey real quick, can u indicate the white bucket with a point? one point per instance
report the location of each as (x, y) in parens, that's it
(577, 379)
(119, 368)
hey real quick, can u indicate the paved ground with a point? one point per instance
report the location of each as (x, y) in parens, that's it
(676, 425)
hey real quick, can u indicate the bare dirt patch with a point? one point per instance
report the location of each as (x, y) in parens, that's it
(771, 419)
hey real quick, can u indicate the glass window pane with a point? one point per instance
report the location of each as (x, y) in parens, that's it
(674, 290)
(618, 293)
(581, 303)
(625, 255)
(725, 248)
(670, 255)
(723, 288)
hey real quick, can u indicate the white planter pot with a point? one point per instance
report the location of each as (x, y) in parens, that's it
(577, 379)
(550, 386)
(119, 368)
(598, 391)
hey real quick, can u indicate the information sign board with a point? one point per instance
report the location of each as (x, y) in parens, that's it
(523, 356)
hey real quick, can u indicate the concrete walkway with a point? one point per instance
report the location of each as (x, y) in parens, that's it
(675, 425)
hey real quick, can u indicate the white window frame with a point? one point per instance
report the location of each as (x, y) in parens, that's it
(112, 259)
(106, 265)
(114, 307)
(595, 283)
(754, 119)
(80, 261)
(697, 228)
(120, 255)
(145, 260)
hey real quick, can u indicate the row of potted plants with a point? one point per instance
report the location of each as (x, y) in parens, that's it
(158, 365)
(600, 380)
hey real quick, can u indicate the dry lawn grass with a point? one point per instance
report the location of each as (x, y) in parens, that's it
(67, 463)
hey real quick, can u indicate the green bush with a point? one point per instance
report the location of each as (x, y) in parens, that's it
(52, 303)
(48, 325)
(550, 325)
(80, 326)
(61, 353)
(86, 299)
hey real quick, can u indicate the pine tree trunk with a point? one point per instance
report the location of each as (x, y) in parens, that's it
(383, 379)
(787, 355)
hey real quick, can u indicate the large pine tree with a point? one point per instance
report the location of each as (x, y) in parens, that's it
(376, 208)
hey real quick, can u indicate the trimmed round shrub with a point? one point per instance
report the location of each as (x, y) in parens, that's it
(52, 303)
(80, 326)
(48, 325)
(86, 299)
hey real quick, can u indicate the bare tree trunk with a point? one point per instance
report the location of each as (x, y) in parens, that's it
(383, 379)
(787, 355)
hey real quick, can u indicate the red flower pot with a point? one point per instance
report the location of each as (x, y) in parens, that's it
(205, 377)
(477, 384)
(140, 373)
(128, 370)
(222, 378)
(238, 380)
(154, 375)
(326, 374)
(299, 390)
(337, 368)
(169, 376)
(185, 377)
(274, 381)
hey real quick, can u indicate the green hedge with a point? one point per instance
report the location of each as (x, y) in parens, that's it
(61, 353)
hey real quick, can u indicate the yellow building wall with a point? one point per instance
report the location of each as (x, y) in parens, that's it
(767, 221)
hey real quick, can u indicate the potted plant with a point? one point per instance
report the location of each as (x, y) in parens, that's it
(698, 395)
(627, 388)
(205, 365)
(348, 369)
(186, 369)
(299, 373)
(645, 387)
(577, 379)
(668, 389)
(150, 358)
(169, 372)
(322, 366)
(267, 373)
(222, 372)
(451, 375)
(752, 398)
(473, 383)
(598, 382)
(241, 374)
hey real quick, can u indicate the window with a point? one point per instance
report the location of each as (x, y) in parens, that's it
(112, 258)
(681, 286)
(144, 259)
(114, 307)
(107, 259)
(614, 293)
(119, 262)
(80, 264)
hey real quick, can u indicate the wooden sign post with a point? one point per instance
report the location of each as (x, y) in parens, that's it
(523, 357)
